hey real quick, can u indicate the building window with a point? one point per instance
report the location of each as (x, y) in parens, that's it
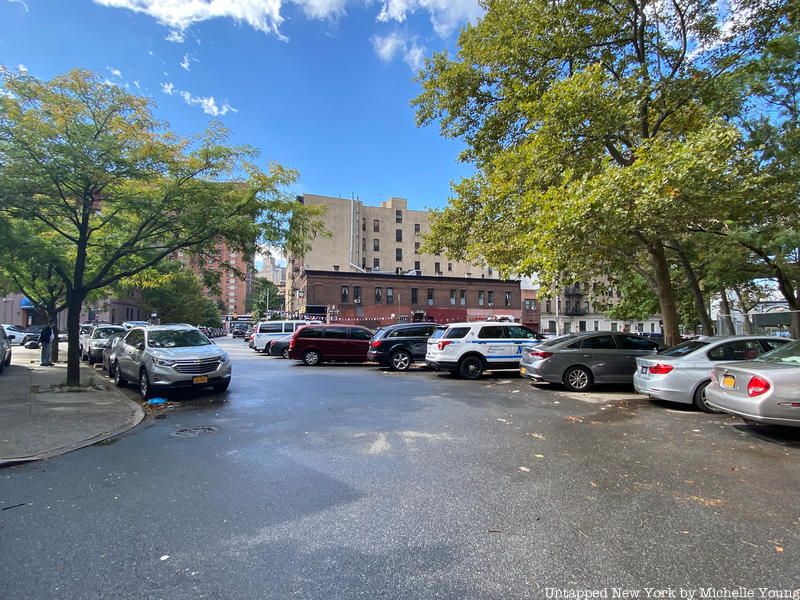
(378, 295)
(430, 296)
(490, 271)
(508, 299)
(548, 307)
(364, 262)
(416, 266)
(398, 216)
(452, 297)
(363, 244)
(356, 293)
(597, 325)
(569, 306)
(613, 326)
(398, 254)
(345, 294)
(376, 226)
(463, 297)
(416, 247)
(581, 325)
(437, 268)
(363, 224)
(480, 297)
(376, 263)
(376, 245)
(652, 327)
(398, 235)
(587, 307)
(335, 267)
(490, 297)
(449, 267)
(416, 228)
(551, 326)
(389, 295)
(413, 295)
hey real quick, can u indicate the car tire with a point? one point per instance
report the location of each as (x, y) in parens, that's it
(144, 385)
(471, 367)
(311, 358)
(699, 398)
(401, 360)
(119, 380)
(2, 366)
(221, 387)
(578, 379)
(8, 360)
(285, 353)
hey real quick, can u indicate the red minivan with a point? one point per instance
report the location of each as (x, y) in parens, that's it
(314, 344)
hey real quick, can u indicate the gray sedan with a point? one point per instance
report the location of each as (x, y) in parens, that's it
(580, 361)
(765, 390)
(279, 347)
(681, 374)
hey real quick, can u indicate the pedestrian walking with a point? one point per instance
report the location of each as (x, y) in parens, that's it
(45, 341)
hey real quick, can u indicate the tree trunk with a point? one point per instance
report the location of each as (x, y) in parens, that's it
(697, 294)
(666, 295)
(730, 328)
(747, 324)
(74, 305)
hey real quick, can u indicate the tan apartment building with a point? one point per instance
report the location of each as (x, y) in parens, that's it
(378, 239)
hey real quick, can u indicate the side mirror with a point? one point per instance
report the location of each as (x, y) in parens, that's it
(140, 346)
(11, 337)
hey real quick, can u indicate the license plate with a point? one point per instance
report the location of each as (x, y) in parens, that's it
(522, 371)
(201, 379)
(644, 370)
(728, 381)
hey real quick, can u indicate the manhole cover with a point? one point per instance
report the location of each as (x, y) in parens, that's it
(192, 431)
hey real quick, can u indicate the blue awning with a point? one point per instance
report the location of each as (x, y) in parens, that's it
(26, 303)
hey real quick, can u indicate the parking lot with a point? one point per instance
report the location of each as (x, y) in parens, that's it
(346, 481)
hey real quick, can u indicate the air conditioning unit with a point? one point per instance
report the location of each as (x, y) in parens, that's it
(356, 300)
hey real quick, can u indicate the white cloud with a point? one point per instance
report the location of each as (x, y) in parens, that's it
(22, 68)
(322, 9)
(445, 15)
(175, 36)
(208, 104)
(185, 62)
(150, 52)
(115, 72)
(21, 3)
(398, 44)
(136, 85)
(168, 88)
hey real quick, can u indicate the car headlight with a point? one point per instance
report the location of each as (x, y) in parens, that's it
(163, 362)
(98, 344)
(224, 358)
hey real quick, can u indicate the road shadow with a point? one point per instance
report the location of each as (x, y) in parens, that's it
(774, 434)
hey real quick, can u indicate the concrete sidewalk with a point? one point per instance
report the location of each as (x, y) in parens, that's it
(40, 419)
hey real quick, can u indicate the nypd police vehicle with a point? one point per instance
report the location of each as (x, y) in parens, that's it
(266, 331)
(469, 349)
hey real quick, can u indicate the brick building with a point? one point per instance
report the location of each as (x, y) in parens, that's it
(233, 289)
(530, 309)
(383, 298)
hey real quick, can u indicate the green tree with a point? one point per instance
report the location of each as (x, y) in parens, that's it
(265, 297)
(178, 297)
(87, 166)
(597, 129)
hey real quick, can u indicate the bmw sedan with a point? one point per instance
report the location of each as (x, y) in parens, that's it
(580, 361)
(764, 390)
(682, 374)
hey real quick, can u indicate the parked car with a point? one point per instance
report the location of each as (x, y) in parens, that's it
(315, 344)
(32, 334)
(15, 334)
(266, 331)
(98, 340)
(764, 390)
(279, 346)
(170, 356)
(398, 346)
(109, 350)
(580, 361)
(239, 329)
(132, 324)
(5, 350)
(682, 373)
(469, 349)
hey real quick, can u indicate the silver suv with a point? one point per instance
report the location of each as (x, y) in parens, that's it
(170, 356)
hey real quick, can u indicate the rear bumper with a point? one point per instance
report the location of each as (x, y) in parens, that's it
(529, 373)
(761, 411)
(660, 390)
(442, 365)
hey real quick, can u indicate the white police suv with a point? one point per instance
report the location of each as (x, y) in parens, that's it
(469, 349)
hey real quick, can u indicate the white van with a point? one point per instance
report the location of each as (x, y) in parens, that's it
(266, 331)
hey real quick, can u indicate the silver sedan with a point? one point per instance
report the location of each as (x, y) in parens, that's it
(682, 374)
(765, 390)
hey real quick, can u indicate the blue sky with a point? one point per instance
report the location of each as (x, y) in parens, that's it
(322, 86)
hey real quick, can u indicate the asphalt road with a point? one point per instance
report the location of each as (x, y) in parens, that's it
(354, 482)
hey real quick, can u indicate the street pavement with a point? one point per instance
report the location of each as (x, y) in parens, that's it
(40, 417)
(355, 482)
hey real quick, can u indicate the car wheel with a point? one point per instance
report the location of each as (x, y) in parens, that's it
(285, 353)
(119, 380)
(144, 385)
(700, 398)
(311, 358)
(471, 367)
(578, 379)
(221, 387)
(8, 360)
(401, 361)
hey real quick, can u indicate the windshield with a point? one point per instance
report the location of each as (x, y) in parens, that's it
(437, 333)
(787, 354)
(683, 348)
(556, 340)
(106, 332)
(180, 338)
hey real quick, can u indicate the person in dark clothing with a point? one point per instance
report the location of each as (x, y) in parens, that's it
(45, 341)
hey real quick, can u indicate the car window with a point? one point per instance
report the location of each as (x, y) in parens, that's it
(103, 333)
(437, 333)
(135, 337)
(357, 333)
(744, 349)
(491, 332)
(684, 348)
(635, 342)
(455, 333)
(276, 327)
(788, 353)
(177, 338)
(520, 332)
(310, 332)
(401, 332)
(773, 343)
(337, 333)
(599, 342)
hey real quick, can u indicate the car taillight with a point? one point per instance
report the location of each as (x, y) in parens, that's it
(539, 354)
(291, 343)
(757, 386)
(442, 343)
(374, 344)
(660, 369)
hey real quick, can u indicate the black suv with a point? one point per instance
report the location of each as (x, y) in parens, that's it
(397, 346)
